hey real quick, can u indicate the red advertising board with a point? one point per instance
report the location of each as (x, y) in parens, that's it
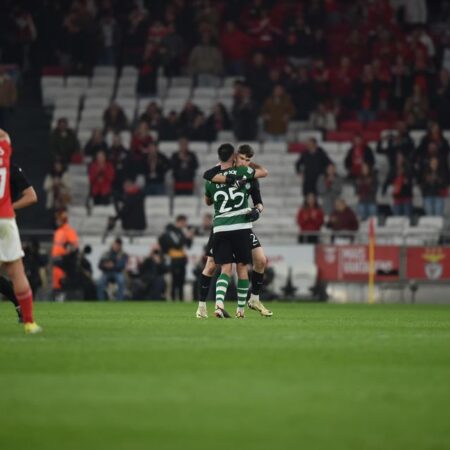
(428, 263)
(351, 262)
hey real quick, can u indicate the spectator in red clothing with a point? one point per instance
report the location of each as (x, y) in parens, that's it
(358, 154)
(139, 142)
(235, 46)
(265, 33)
(309, 219)
(342, 219)
(101, 177)
(400, 83)
(402, 188)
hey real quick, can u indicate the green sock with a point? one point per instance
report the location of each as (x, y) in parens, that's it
(221, 287)
(242, 289)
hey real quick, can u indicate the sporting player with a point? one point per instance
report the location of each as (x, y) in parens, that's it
(10, 247)
(22, 195)
(232, 225)
(243, 158)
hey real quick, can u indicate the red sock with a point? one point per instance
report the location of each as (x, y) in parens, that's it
(26, 305)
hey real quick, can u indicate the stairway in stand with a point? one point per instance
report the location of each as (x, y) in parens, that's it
(29, 128)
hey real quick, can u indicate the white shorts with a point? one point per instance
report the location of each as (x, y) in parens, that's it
(10, 245)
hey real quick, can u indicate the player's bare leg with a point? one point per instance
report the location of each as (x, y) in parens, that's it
(16, 273)
(205, 281)
(221, 290)
(242, 289)
(259, 266)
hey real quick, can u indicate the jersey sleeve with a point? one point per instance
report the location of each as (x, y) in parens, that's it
(20, 180)
(255, 193)
(208, 189)
(247, 172)
(210, 173)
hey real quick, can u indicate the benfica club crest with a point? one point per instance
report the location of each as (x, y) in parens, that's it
(433, 265)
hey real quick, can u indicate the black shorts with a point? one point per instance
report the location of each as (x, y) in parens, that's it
(254, 243)
(232, 246)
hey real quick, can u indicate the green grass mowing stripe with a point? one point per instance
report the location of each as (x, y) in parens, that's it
(148, 375)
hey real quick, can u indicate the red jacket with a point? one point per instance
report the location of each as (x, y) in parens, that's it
(343, 220)
(310, 219)
(235, 46)
(101, 178)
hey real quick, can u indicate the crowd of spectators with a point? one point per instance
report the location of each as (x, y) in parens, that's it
(425, 166)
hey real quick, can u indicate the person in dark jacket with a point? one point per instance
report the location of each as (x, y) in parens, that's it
(434, 184)
(358, 154)
(155, 171)
(173, 242)
(112, 264)
(169, 127)
(311, 164)
(245, 115)
(184, 167)
(399, 142)
(366, 189)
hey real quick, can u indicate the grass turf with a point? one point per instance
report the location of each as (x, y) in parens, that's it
(150, 376)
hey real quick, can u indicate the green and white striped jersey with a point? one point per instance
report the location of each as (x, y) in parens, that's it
(230, 204)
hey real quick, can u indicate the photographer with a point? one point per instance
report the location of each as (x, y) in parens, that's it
(150, 284)
(173, 243)
(112, 264)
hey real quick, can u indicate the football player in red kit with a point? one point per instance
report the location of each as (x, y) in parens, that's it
(10, 246)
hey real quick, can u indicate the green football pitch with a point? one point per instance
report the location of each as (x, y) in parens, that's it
(150, 376)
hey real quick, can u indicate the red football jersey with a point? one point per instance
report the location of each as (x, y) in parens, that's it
(6, 209)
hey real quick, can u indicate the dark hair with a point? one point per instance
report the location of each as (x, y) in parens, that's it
(225, 151)
(246, 150)
(118, 240)
(180, 217)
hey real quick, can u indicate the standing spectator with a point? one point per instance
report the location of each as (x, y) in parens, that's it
(173, 242)
(184, 166)
(171, 50)
(139, 142)
(169, 127)
(323, 118)
(245, 116)
(401, 180)
(398, 142)
(114, 119)
(302, 93)
(109, 29)
(216, 122)
(205, 62)
(257, 76)
(400, 84)
(358, 154)
(416, 108)
(311, 164)
(310, 218)
(151, 116)
(277, 111)
(329, 188)
(8, 96)
(155, 171)
(112, 264)
(434, 184)
(95, 143)
(101, 177)
(367, 95)
(235, 46)
(366, 189)
(57, 187)
(442, 98)
(342, 218)
(63, 142)
(131, 207)
(187, 117)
